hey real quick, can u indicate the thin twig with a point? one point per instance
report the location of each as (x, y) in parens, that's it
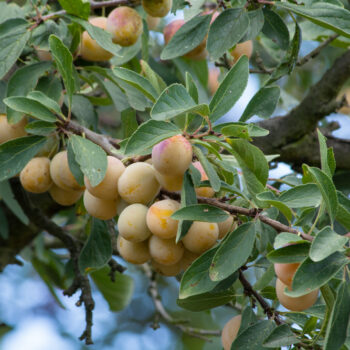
(316, 51)
(153, 291)
(254, 213)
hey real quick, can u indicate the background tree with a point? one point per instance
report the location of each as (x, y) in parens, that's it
(114, 151)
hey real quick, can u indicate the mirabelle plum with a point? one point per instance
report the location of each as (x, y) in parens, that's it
(50, 147)
(203, 191)
(230, 331)
(198, 53)
(159, 221)
(165, 251)
(295, 304)
(125, 25)
(170, 183)
(43, 55)
(132, 223)
(226, 226)
(35, 176)
(188, 258)
(61, 173)
(173, 156)
(90, 50)
(11, 131)
(201, 236)
(245, 48)
(108, 187)
(138, 183)
(285, 272)
(133, 252)
(213, 80)
(152, 22)
(64, 197)
(157, 8)
(167, 270)
(103, 209)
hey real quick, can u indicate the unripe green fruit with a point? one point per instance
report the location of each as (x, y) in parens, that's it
(132, 252)
(230, 331)
(102, 209)
(201, 236)
(138, 183)
(159, 221)
(125, 25)
(165, 251)
(64, 197)
(35, 176)
(132, 223)
(295, 304)
(61, 174)
(173, 156)
(157, 8)
(108, 187)
(11, 131)
(90, 50)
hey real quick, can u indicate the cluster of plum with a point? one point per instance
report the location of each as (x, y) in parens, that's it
(145, 233)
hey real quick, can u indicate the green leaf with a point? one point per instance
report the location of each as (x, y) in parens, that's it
(233, 252)
(148, 134)
(13, 38)
(280, 336)
(326, 243)
(285, 238)
(51, 86)
(23, 81)
(15, 154)
(200, 212)
(137, 81)
(327, 189)
(230, 89)
(290, 254)
(253, 163)
(188, 197)
(312, 275)
(78, 8)
(302, 196)
(7, 196)
(213, 177)
(189, 36)
(97, 250)
(262, 104)
(236, 130)
(323, 14)
(118, 294)
(29, 106)
(336, 333)
(42, 98)
(103, 38)
(129, 122)
(275, 29)
(256, 23)
(325, 155)
(91, 158)
(206, 301)
(64, 61)
(191, 87)
(226, 31)
(253, 337)
(155, 79)
(343, 212)
(247, 320)
(175, 101)
(38, 127)
(74, 166)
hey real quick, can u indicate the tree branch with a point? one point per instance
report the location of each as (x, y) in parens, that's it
(319, 102)
(254, 213)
